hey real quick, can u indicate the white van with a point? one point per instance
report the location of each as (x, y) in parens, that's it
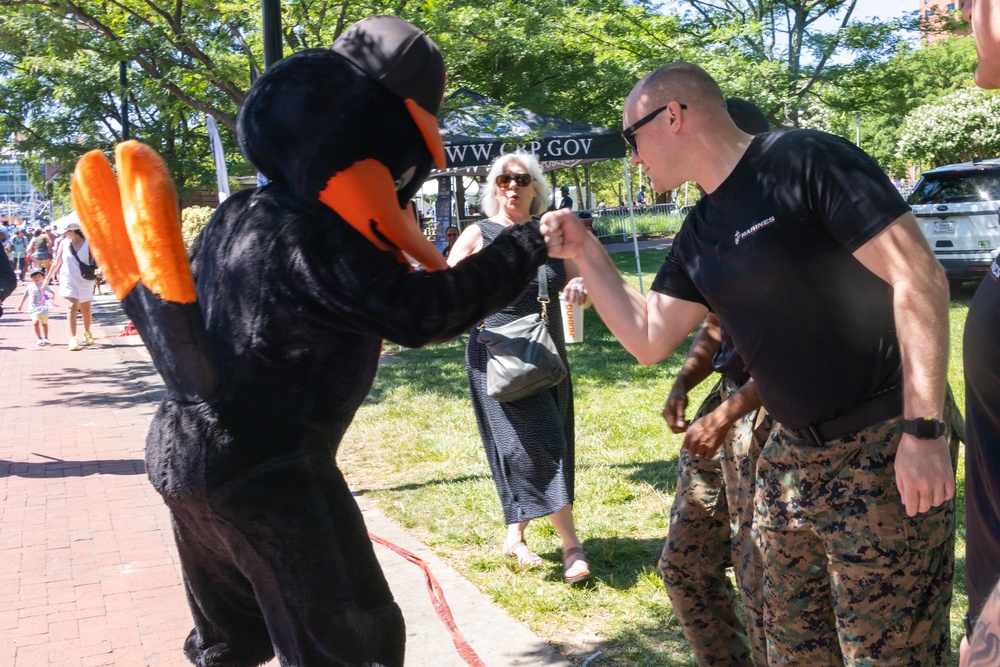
(958, 208)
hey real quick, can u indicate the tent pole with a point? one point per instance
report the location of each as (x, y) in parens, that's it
(631, 214)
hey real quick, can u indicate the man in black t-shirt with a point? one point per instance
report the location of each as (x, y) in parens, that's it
(712, 513)
(820, 274)
(566, 201)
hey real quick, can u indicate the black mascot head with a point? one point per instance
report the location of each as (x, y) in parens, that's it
(354, 126)
(374, 94)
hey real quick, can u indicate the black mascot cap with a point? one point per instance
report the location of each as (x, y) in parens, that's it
(374, 94)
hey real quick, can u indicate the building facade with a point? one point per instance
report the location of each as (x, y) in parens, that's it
(938, 19)
(18, 197)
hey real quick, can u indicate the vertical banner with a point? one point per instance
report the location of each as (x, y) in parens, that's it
(219, 156)
(442, 210)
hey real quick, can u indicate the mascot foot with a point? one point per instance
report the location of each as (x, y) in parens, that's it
(219, 654)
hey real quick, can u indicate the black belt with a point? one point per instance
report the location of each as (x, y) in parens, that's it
(877, 408)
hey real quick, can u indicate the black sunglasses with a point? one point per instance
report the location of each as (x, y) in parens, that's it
(628, 134)
(523, 180)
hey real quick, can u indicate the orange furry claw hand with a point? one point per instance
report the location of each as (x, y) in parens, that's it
(152, 218)
(133, 225)
(95, 198)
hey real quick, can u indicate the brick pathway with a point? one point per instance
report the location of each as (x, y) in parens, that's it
(89, 575)
(88, 571)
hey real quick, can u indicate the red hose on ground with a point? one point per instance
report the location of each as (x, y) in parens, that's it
(437, 601)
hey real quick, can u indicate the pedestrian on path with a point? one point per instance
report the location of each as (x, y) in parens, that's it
(73, 287)
(19, 244)
(40, 297)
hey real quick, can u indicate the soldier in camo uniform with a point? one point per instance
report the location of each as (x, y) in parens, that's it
(711, 518)
(817, 268)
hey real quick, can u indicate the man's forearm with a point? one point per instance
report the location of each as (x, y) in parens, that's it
(740, 402)
(620, 305)
(921, 312)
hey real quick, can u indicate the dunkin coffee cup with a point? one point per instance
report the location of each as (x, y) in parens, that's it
(572, 318)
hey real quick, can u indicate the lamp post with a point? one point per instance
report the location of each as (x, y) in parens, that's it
(857, 128)
(123, 82)
(271, 29)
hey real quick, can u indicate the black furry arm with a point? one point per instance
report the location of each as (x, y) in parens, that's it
(417, 308)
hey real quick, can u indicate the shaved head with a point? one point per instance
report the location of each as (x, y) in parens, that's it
(679, 128)
(685, 82)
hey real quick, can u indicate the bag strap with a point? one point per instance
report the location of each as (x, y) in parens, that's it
(543, 296)
(77, 257)
(543, 291)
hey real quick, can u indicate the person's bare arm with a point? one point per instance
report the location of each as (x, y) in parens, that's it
(900, 256)
(575, 291)
(651, 328)
(54, 266)
(705, 435)
(984, 649)
(694, 370)
(469, 242)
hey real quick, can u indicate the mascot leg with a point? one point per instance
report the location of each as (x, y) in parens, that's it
(229, 628)
(299, 536)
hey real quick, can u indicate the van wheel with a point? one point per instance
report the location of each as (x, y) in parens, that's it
(955, 284)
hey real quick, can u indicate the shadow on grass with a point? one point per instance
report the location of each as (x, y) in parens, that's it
(661, 475)
(616, 562)
(414, 486)
(655, 640)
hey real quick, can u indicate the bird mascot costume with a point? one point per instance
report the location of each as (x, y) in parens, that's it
(269, 338)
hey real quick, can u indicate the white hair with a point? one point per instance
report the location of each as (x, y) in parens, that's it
(488, 199)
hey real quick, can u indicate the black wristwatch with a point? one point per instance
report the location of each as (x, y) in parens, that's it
(925, 428)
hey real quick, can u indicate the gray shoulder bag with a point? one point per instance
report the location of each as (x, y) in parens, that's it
(523, 358)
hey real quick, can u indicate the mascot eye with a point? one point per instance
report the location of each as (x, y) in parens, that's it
(405, 178)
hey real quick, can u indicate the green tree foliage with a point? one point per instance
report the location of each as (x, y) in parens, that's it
(886, 92)
(60, 94)
(775, 53)
(956, 128)
(59, 77)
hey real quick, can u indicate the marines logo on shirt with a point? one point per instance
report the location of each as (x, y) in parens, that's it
(754, 229)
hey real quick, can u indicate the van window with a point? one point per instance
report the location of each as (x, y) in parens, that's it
(956, 188)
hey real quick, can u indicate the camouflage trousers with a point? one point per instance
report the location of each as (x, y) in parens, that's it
(710, 530)
(849, 578)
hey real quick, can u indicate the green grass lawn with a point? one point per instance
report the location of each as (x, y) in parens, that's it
(414, 450)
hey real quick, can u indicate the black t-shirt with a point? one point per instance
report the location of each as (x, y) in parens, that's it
(981, 350)
(770, 252)
(728, 361)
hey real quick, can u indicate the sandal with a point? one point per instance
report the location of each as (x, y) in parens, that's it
(578, 570)
(525, 556)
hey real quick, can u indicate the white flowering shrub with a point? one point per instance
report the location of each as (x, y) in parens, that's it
(956, 128)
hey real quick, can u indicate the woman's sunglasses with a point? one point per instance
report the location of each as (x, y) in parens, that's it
(523, 180)
(628, 134)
